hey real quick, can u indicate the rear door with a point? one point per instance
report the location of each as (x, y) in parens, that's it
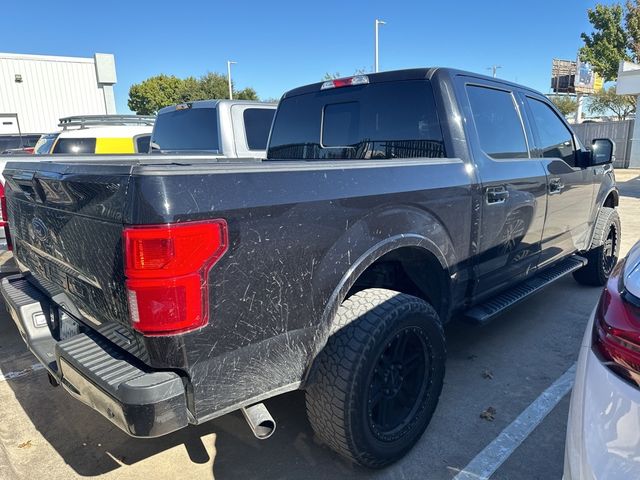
(570, 187)
(513, 184)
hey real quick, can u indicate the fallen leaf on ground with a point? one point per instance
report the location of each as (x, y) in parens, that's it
(26, 444)
(489, 414)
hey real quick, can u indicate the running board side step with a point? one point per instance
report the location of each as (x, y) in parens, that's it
(484, 312)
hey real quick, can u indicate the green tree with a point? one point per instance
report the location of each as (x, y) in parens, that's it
(566, 104)
(148, 97)
(615, 37)
(246, 94)
(606, 101)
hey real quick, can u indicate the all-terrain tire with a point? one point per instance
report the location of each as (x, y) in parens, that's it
(605, 248)
(359, 376)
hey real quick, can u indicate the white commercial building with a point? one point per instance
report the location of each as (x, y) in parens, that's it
(37, 90)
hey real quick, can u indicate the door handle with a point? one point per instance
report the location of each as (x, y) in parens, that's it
(555, 186)
(497, 194)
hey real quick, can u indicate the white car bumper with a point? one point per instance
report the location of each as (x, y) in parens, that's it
(603, 433)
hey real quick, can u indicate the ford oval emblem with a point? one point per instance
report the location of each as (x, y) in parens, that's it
(40, 230)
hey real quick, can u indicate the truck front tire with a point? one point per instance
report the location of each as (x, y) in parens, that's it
(378, 379)
(604, 251)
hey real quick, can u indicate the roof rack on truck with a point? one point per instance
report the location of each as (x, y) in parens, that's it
(83, 121)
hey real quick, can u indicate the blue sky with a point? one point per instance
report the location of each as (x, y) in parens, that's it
(282, 44)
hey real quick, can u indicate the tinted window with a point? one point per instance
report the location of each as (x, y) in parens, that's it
(142, 143)
(257, 123)
(497, 123)
(188, 129)
(554, 137)
(75, 145)
(8, 142)
(44, 144)
(379, 121)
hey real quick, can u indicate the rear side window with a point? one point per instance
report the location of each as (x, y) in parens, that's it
(142, 143)
(497, 122)
(75, 145)
(187, 129)
(257, 123)
(375, 121)
(554, 137)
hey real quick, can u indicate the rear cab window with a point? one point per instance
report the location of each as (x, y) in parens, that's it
(382, 120)
(257, 124)
(186, 129)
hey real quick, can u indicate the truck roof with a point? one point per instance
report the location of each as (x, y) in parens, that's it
(213, 103)
(407, 74)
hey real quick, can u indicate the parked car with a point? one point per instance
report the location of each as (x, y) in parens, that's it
(225, 128)
(167, 291)
(603, 434)
(85, 134)
(14, 141)
(19, 151)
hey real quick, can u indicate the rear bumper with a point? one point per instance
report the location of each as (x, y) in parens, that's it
(140, 401)
(603, 441)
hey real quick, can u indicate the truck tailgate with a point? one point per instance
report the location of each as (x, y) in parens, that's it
(66, 220)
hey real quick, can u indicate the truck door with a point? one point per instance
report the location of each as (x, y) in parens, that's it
(569, 186)
(513, 185)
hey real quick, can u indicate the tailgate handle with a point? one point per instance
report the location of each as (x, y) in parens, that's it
(29, 186)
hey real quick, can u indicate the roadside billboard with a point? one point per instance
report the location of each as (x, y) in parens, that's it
(568, 76)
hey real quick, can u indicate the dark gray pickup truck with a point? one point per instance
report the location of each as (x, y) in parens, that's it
(169, 291)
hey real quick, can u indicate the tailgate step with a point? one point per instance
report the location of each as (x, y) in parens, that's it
(484, 312)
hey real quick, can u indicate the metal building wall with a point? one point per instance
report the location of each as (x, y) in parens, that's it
(51, 87)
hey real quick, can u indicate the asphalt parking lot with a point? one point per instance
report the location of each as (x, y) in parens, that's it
(506, 365)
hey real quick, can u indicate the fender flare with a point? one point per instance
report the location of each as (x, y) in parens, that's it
(600, 204)
(347, 281)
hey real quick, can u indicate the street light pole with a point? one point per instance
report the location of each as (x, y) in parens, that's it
(229, 62)
(494, 69)
(375, 63)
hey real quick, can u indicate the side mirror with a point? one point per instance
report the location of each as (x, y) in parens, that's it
(602, 151)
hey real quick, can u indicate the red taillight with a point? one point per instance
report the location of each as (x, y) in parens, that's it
(616, 331)
(166, 268)
(5, 217)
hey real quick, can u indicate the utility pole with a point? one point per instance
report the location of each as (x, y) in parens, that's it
(229, 63)
(375, 62)
(494, 69)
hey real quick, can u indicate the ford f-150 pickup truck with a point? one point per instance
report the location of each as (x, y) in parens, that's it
(169, 290)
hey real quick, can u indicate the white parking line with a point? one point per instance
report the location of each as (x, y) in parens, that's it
(21, 373)
(496, 453)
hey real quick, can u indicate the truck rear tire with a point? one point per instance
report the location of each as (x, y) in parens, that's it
(604, 251)
(378, 380)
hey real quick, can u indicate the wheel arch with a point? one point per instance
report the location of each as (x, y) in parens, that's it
(401, 248)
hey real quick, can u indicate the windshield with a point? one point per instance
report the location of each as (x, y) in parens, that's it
(188, 129)
(376, 121)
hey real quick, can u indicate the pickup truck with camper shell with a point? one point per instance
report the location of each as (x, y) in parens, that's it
(167, 290)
